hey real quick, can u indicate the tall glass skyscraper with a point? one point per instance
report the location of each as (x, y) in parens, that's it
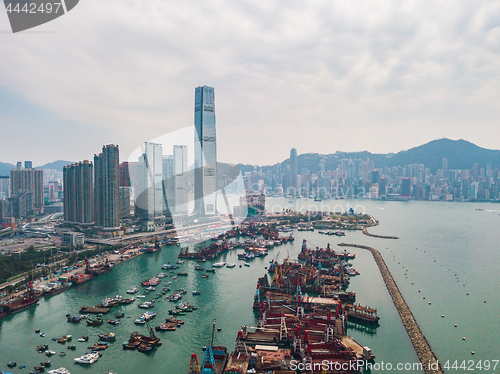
(205, 152)
(181, 179)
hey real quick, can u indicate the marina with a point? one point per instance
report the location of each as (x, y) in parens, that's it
(219, 292)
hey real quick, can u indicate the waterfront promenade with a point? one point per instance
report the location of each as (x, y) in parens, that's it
(420, 344)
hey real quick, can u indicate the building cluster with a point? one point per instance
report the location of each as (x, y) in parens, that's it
(349, 178)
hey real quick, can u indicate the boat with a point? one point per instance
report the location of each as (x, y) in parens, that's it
(196, 293)
(219, 264)
(42, 334)
(84, 338)
(12, 364)
(182, 273)
(180, 262)
(20, 303)
(61, 370)
(88, 358)
(42, 348)
(176, 312)
(198, 267)
(166, 327)
(119, 315)
(113, 321)
(94, 321)
(50, 353)
(72, 347)
(140, 321)
(204, 275)
(146, 305)
(231, 265)
(145, 348)
(210, 270)
(74, 319)
(132, 291)
(246, 264)
(107, 337)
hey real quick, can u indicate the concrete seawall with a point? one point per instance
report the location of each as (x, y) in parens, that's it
(365, 231)
(420, 344)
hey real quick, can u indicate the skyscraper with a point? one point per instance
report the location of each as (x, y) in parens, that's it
(106, 195)
(168, 184)
(150, 200)
(30, 180)
(79, 192)
(293, 171)
(181, 179)
(205, 152)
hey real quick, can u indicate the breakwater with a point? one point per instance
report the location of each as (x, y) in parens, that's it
(420, 344)
(365, 231)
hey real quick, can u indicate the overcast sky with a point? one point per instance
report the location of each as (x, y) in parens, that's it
(320, 76)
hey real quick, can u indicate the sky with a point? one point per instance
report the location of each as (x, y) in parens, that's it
(320, 76)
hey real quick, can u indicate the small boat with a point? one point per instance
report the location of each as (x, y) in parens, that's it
(37, 331)
(49, 353)
(145, 348)
(196, 293)
(72, 347)
(95, 321)
(231, 265)
(89, 358)
(46, 364)
(42, 348)
(60, 370)
(204, 275)
(74, 319)
(219, 264)
(132, 291)
(180, 262)
(84, 338)
(246, 264)
(62, 354)
(210, 270)
(140, 321)
(113, 321)
(176, 312)
(182, 273)
(165, 327)
(39, 369)
(198, 267)
(107, 337)
(42, 334)
(12, 364)
(119, 315)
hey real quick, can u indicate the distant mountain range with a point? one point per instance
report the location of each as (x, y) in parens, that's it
(461, 154)
(5, 168)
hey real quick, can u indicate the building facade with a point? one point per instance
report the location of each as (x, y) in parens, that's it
(180, 179)
(79, 192)
(30, 180)
(150, 202)
(106, 192)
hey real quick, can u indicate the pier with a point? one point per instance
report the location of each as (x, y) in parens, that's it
(365, 231)
(420, 343)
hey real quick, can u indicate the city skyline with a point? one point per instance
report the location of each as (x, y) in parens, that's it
(376, 78)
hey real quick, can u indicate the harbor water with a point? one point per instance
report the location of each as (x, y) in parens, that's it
(445, 251)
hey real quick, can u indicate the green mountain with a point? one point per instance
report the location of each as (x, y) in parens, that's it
(57, 165)
(5, 169)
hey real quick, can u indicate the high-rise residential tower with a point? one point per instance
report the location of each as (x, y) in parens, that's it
(30, 180)
(205, 152)
(106, 183)
(150, 201)
(181, 179)
(79, 193)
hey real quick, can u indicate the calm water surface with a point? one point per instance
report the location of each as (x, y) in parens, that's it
(445, 251)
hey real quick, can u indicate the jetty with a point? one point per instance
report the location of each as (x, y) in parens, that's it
(422, 347)
(365, 231)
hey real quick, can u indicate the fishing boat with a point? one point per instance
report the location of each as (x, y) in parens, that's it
(146, 305)
(140, 321)
(166, 327)
(196, 293)
(64, 339)
(74, 319)
(176, 312)
(107, 337)
(94, 321)
(42, 348)
(204, 275)
(12, 364)
(84, 338)
(88, 358)
(198, 267)
(145, 348)
(231, 265)
(132, 291)
(113, 321)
